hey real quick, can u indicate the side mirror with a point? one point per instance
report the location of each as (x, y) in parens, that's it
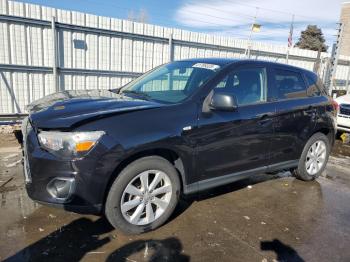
(223, 101)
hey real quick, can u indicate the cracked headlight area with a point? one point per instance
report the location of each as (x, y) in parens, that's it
(69, 144)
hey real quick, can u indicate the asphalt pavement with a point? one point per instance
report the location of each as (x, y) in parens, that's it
(263, 218)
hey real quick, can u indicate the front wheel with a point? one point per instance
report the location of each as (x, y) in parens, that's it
(143, 196)
(314, 158)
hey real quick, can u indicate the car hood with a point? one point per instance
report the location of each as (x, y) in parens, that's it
(64, 110)
(343, 99)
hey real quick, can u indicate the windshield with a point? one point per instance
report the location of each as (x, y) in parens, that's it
(171, 83)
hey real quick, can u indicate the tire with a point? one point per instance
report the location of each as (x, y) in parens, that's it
(118, 195)
(306, 172)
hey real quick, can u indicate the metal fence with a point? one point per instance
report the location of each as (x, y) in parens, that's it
(45, 50)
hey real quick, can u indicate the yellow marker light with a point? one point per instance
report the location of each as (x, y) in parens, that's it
(256, 28)
(84, 146)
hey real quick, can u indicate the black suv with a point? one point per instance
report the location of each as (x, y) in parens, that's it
(183, 127)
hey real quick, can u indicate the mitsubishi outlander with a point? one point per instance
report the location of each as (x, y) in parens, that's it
(184, 127)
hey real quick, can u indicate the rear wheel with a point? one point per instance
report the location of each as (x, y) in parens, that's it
(143, 196)
(314, 158)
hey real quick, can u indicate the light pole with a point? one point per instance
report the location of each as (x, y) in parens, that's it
(254, 27)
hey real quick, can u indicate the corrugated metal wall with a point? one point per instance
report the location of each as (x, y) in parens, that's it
(102, 52)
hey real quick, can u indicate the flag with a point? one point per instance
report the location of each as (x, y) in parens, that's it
(290, 37)
(256, 28)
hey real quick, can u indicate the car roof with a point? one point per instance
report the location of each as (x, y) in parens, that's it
(217, 61)
(227, 61)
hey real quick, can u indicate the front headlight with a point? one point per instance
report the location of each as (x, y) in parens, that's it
(69, 144)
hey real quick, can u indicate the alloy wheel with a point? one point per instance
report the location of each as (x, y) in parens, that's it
(146, 197)
(316, 157)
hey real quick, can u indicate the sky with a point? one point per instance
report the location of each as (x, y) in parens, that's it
(222, 17)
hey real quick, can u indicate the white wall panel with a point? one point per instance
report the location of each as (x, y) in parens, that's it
(78, 54)
(33, 11)
(137, 60)
(104, 45)
(116, 82)
(48, 50)
(116, 54)
(36, 86)
(158, 54)
(186, 35)
(138, 28)
(18, 44)
(193, 52)
(165, 53)
(78, 82)
(91, 20)
(6, 105)
(116, 24)
(92, 51)
(177, 33)
(127, 55)
(77, 18)
(148, 56)
(32, 45)
(103, 82)
(48, 84)
(21, 88)
(167, 32)
(184, 52)
(125, 80)
(4, 44)
(35, 46)
(91, 82)
(157, 31)
(127, 26)
(47, 13)
(104, 22)
(16, 8)
(3, 7)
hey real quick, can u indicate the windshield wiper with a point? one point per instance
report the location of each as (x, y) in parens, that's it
(117, 89)
(137, 93)
(114, 90)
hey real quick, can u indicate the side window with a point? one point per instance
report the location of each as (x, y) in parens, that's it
(248, 85)
(312, 89)
(289, 84)
(321, 87)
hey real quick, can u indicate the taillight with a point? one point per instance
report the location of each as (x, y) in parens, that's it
(335, 105)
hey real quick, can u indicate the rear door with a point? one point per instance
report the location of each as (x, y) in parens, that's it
(236, 141)
(296, 114)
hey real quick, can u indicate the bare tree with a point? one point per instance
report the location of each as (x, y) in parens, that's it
(141, 16)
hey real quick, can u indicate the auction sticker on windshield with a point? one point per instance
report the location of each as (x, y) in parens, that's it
(207, 66)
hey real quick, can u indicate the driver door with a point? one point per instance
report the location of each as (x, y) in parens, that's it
(230, 142)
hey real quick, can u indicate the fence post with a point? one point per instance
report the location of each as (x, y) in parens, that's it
(335, 57)
(54, 55)
(347, 79)
(317, 62)
(171, 48)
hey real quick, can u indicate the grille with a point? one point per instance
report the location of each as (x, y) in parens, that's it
(26, 127)
(344, 109)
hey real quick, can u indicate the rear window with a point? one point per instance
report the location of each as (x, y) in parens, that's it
(290, 84)
(315, 85)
